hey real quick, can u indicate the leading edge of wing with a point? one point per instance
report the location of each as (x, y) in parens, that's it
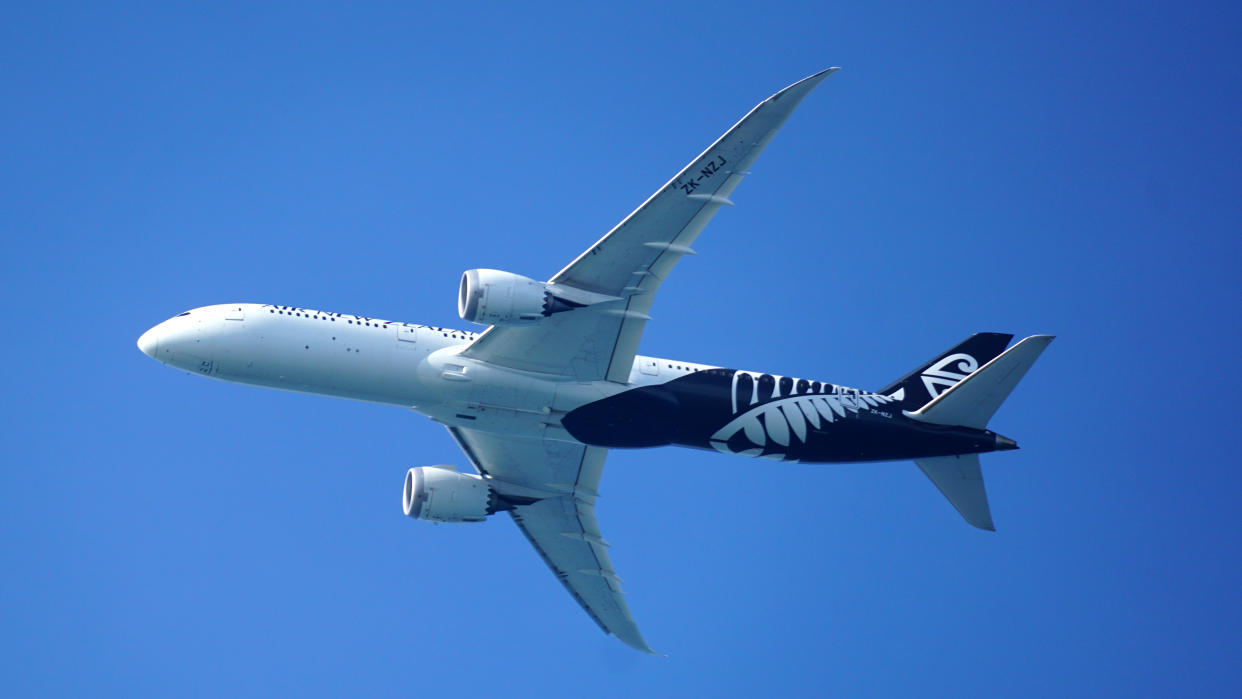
(797, 91)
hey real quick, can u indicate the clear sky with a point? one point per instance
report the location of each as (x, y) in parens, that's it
(1055, 169)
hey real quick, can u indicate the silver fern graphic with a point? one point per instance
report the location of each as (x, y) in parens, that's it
(774, 425)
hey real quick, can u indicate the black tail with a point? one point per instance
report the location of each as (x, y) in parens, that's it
(919, 387)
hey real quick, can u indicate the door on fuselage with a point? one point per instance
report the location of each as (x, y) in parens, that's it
(407, 336)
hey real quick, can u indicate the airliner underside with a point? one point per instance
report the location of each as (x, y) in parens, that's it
(536, 400)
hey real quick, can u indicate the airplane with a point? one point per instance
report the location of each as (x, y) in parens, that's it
(537, 399)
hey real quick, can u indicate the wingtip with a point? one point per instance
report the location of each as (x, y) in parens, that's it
(805, 85)
(821, 74)
(638, 644)
(982, 524)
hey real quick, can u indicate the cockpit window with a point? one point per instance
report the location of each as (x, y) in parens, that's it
(183, 314)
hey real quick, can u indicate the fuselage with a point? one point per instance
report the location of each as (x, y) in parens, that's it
(664, 402)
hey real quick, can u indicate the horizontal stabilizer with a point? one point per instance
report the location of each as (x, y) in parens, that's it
(961, 481)
(973, 401)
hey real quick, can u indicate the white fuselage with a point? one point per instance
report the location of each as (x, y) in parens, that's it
(403, 364)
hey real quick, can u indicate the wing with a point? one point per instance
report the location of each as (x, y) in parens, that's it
(559, 481)
(629, 263)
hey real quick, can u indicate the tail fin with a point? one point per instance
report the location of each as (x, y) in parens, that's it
(971, 403)
(974, 400)
(925, 383)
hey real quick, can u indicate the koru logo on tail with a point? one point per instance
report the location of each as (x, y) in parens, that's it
(945, 373)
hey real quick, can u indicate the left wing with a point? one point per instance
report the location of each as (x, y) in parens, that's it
(559, 480)
(628, 264)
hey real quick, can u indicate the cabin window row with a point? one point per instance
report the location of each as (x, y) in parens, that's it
(456, 336)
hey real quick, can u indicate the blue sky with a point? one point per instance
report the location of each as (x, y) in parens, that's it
(1054, 169)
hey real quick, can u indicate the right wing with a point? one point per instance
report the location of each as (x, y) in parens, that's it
(630, 262)
(559, 520)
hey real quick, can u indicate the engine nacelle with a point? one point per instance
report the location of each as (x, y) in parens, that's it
(441, 494)
(493, 297)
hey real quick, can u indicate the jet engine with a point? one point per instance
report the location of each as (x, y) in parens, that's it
(493, 297)
(441, 494)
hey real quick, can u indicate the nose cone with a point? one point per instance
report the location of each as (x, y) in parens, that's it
(149, 343)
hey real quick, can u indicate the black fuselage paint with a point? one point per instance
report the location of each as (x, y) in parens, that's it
(773, 417)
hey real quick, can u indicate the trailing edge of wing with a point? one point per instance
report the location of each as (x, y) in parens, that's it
(561, 527)
(566, 536)
(631, 260)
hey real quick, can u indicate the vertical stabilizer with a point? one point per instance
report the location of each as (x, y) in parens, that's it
(945, 370)
(961, 481)
(971, 402)
(975, 400)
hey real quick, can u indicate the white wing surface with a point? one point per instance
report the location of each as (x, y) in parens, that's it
(629, 263)
(560, 524)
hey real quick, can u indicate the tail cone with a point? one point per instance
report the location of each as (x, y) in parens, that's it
(1005, 443)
